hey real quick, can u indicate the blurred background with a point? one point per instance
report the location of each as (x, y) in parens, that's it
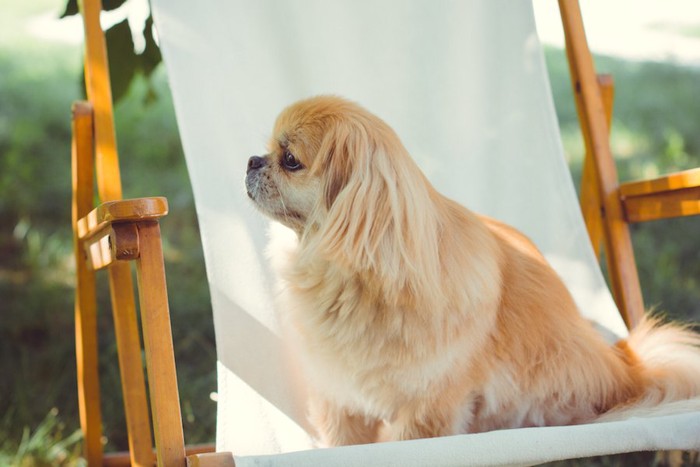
(651, 48)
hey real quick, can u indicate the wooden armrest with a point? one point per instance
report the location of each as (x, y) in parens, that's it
(675, 181)
(109, 232)
(128, 210)
(673, 195)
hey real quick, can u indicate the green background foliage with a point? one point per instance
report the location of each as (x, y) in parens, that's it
(654, 131)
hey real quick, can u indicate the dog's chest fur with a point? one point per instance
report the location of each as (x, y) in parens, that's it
(364, 352)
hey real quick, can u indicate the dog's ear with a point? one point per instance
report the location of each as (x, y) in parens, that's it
(379, 217)
(337, 149)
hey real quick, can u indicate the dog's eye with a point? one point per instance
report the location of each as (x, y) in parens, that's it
(290, 162)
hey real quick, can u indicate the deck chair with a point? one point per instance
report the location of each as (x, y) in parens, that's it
(462, 80)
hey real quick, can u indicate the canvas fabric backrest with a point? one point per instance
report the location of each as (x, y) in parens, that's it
(464, 85)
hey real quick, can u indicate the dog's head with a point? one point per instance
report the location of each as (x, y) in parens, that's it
(339, 174)
(317, 145)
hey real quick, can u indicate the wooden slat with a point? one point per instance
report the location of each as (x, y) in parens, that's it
(663, 205)
(591, 207)
(138, 424)
(99, 93)
(121, 459)
(618, 244)
(85, 299)
(158, 343)
(675, 181)
(217, 459)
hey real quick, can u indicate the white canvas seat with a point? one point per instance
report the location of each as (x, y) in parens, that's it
(464, 85)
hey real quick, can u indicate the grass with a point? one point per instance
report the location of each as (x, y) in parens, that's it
(46, 445)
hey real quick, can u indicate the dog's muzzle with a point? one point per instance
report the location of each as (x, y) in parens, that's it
(252, 178)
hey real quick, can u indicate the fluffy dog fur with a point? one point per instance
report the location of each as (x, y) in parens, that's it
(418, 318)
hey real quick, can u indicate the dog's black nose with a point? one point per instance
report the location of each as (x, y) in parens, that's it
(255, 162)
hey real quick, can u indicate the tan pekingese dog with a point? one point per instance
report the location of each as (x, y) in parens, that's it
(418, 318)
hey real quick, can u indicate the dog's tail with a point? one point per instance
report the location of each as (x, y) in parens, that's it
(666, 360)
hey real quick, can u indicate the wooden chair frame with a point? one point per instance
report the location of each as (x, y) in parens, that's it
(117, 231)
(608, 206)
(108, 237)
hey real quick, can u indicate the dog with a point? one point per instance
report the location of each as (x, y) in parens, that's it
(416, 317)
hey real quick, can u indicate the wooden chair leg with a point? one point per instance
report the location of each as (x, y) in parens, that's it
(85, 300)
(158, 343)
(618, 243)
(591, 207)
(130, 364)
